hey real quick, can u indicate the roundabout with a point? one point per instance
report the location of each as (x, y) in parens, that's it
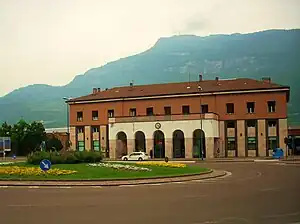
(253, 193)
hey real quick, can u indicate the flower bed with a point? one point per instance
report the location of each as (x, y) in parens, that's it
(162, 164)
(119, 166)
(32, 171)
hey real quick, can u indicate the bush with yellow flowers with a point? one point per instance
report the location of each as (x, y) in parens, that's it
(162, 164)
(32, 171)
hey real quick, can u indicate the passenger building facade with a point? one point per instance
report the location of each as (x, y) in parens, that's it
(213, 118)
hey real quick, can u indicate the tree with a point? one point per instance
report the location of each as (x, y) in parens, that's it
(53, 143)
(24, 137)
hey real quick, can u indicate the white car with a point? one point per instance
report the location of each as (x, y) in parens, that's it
(140, 156)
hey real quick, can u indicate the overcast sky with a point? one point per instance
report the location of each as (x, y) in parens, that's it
(51, 41)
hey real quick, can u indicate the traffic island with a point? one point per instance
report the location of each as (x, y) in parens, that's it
(102, 174)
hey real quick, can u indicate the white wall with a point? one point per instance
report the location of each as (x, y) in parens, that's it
(210, 128)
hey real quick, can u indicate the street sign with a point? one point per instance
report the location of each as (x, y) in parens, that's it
(45, 165)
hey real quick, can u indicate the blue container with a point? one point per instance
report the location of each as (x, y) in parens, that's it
(278, 153)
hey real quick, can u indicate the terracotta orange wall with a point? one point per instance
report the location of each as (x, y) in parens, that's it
(216, 104)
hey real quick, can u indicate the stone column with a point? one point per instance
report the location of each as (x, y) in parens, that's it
(130, 146)
(169, 148)
(283, 132)
(210, 145)
(103, 136)
(87, 134)
(222, 138)
(149, 146)
(188, 148)
(112, 149)
(241, 138)
(73, 138)
(261, 138)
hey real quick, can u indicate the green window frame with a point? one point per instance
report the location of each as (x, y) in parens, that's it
(96, 145)
(80, 146)
(251, 143)
(272, 143)
(231, 143)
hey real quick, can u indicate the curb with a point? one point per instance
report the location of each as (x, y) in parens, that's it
(203, 176)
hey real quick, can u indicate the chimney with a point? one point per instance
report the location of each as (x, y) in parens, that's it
(94, 90)
(200, 77)
(266, 79)
(131, 84)
(217, 78)
(99, 90)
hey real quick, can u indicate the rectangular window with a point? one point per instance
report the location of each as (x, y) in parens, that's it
(251, 143)
(271, 106)
(96, 145)
(95, 129)
(110, 113)
(230, 108)
(251, 123)
(79, 116)
(149, 111)
(231, 143)
(204, 109)
(250, 107)
(80, 146)
(272, 124)
(168, 111)
(272, 143)
(230, 124)
(79, 130)
(95, 115)
(185, 109)
(132, 112)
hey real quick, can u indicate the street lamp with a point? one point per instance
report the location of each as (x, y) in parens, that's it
(66, 99)
(200, 141)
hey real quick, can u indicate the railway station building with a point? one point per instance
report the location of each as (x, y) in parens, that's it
(210, 118)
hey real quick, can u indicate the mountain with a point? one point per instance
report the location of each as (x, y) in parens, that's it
(272, 53)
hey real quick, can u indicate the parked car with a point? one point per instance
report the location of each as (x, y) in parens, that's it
(139, 156)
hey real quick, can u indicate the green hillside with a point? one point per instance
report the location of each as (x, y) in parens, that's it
(273, 53)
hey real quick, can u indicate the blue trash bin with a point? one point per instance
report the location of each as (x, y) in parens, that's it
(278, 153)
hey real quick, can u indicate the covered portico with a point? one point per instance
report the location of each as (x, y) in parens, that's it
(175, 136)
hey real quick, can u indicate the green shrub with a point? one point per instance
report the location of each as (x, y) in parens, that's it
(36, 157)
(66, 157)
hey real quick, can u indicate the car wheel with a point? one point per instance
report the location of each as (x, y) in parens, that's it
(140, 159)
(125, 159)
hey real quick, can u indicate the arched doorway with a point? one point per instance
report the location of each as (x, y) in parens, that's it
(199, 144)
(121, 144)
(140, 142)
(159, 144)
(178, 144)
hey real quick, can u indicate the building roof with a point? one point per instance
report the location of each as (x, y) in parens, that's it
(207, 86)
(56, 130)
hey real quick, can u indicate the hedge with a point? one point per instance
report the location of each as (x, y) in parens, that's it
(64, 157)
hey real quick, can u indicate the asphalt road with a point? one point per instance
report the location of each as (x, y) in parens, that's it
(254, 193)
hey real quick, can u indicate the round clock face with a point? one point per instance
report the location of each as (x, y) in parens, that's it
(157, 125)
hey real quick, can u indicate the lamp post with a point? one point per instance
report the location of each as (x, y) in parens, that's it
(66, 99)
(200, 141)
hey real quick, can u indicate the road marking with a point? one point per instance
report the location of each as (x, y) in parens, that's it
(65, 187)
(3, 186)
(128, 185)
(154, 184)
(34, 187)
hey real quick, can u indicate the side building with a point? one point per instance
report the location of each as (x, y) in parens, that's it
(214, 118)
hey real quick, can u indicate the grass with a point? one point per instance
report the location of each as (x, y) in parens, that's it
(85, 172)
